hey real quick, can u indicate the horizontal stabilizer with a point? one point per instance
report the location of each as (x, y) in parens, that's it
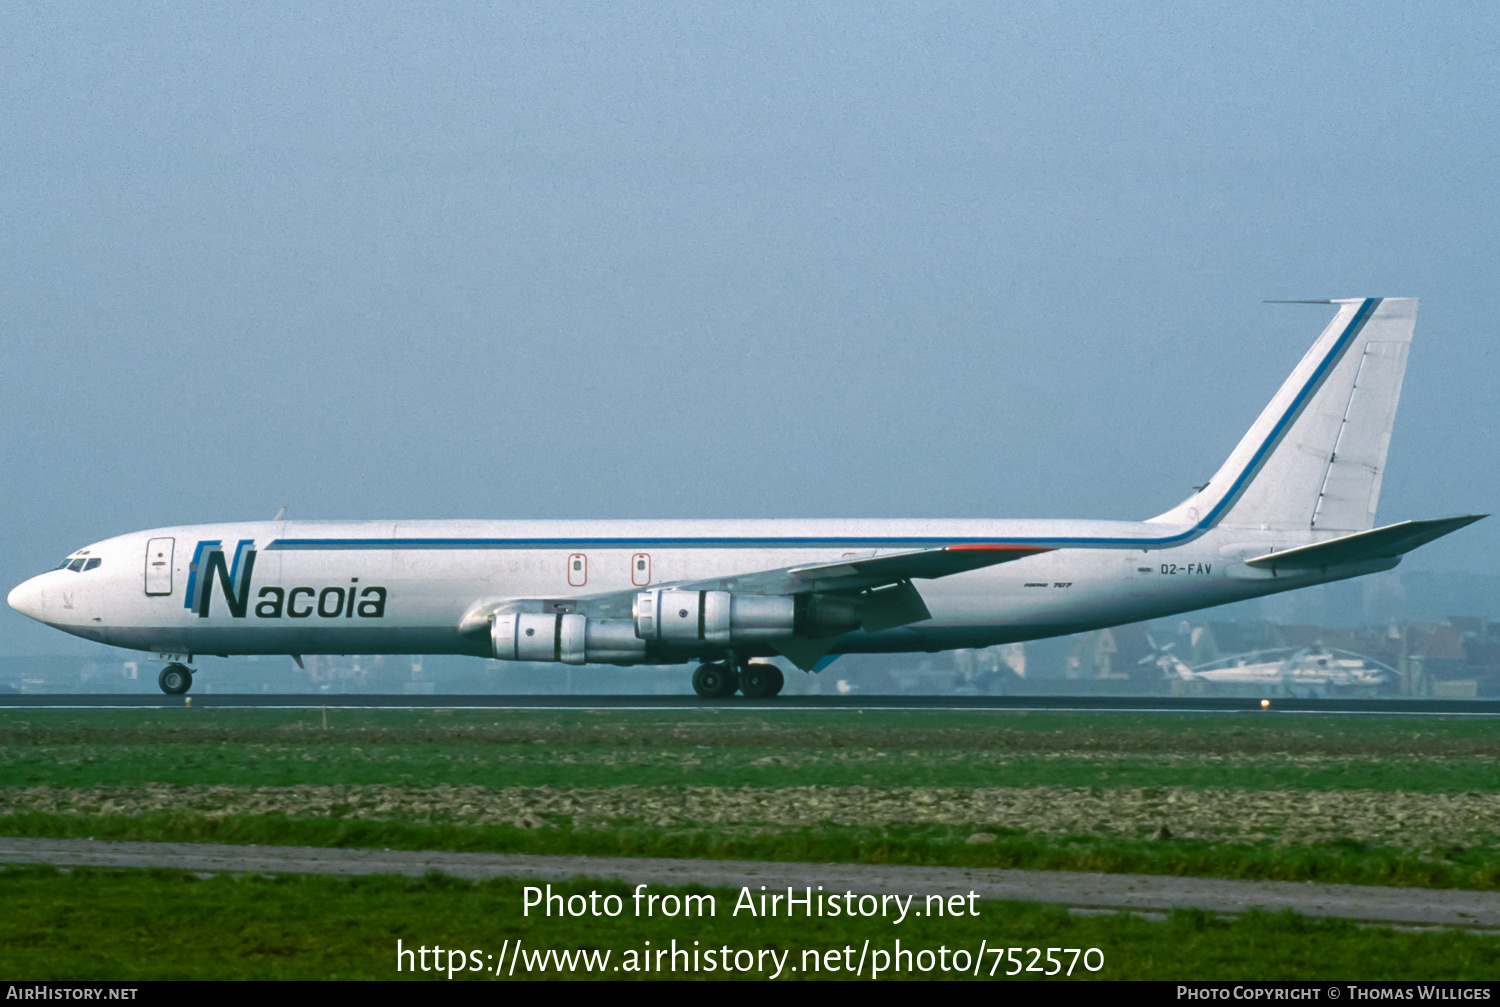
(1381, 543)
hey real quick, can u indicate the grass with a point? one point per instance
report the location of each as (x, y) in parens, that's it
(759, 749)
(156, 924)
(138, 925)
(748, 748)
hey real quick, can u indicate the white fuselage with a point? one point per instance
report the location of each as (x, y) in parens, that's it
(375, 587)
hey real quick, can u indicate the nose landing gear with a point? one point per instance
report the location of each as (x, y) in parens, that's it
(175, 679)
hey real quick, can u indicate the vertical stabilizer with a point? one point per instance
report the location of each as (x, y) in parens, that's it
(1315, 457)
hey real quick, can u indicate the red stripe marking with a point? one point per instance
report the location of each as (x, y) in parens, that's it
(997, 547)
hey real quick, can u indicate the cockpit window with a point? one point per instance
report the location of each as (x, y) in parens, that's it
(79, 563)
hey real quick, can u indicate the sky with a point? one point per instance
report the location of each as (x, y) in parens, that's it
(709, 260)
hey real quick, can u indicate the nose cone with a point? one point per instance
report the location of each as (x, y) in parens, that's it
(29, 600)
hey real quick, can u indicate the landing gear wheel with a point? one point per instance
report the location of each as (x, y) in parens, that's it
(715, 681)
(761, 681)
(175, 679)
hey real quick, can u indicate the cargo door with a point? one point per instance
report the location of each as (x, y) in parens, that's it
(159, 566)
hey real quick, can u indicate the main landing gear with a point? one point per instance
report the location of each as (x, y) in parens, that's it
(760, 681)
(756, 680)
(175, 679)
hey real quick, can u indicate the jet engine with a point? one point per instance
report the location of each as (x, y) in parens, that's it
(565, 637)
(670, 617)
(722, 617)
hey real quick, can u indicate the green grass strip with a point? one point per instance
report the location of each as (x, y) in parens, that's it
(534, 765)
(758, 748)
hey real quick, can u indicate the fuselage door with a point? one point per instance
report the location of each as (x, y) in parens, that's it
(578, 570)
(159, 566)
(640, 569)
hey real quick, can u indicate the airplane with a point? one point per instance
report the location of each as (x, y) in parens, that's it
(1292, 506)
(1315, 667)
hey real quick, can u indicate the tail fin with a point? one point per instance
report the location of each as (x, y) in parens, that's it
(1315, 457)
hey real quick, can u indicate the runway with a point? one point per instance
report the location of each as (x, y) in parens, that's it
(1131, 704)
(1143, 893)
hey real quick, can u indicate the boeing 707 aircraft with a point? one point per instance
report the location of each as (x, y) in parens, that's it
(1293, 506)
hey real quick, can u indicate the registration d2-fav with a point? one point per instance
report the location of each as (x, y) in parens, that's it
(1293, 506)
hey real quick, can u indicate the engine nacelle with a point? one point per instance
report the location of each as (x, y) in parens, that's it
(564, 637)
(721, 617)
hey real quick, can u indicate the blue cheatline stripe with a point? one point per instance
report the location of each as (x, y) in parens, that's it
(667, 543)
(1236, 490)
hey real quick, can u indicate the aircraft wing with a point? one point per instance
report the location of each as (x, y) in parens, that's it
(852, 574)
(921, 564)
(883, 584)
(1379, 543)
(886, 576)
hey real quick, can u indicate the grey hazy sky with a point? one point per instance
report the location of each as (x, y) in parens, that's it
(706, 260)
